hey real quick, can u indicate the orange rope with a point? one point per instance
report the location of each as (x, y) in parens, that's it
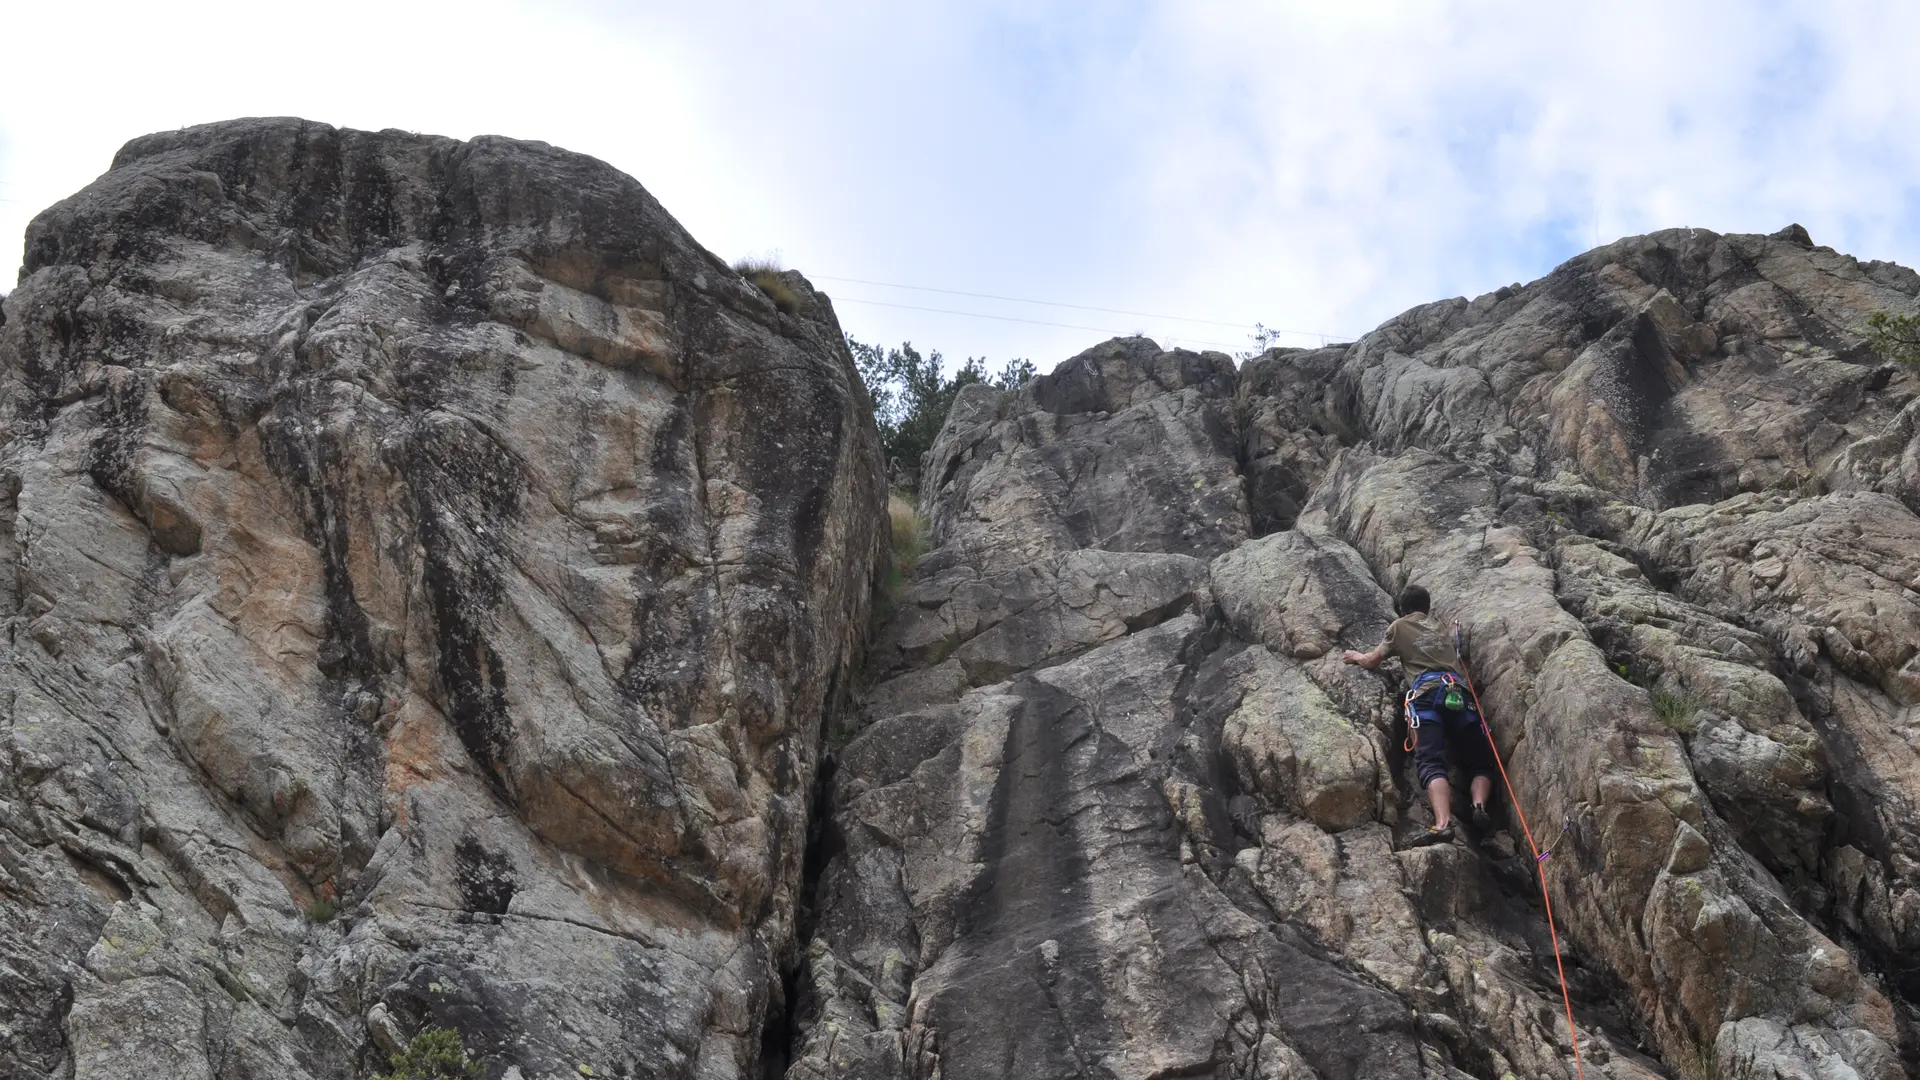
(1540, 872)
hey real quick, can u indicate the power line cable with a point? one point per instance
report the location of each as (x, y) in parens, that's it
(1011, 300)
(1052, 303)
(1021, 300)
(1011, 318)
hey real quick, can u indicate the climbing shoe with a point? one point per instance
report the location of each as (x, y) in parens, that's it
(1431, 837)
(1482, 821)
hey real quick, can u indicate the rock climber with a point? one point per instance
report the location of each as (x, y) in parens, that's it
(1440, 711)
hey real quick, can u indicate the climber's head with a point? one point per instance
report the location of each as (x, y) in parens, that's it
(1413, 598)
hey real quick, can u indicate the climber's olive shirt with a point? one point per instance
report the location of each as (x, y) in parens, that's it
(1423, 643)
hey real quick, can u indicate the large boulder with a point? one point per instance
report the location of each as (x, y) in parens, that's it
(428, 532)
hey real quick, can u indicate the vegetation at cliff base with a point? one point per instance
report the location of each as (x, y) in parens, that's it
(912, 395)
(908, 534)
(434, 1054)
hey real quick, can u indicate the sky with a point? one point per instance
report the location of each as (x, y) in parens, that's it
(1024, 179)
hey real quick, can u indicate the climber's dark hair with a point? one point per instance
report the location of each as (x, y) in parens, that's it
(1413, 598)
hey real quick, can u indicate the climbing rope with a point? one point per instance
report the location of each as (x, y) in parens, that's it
(1540, 872)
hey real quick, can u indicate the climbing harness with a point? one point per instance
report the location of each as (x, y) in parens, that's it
(1539, 872)
(1450, 698)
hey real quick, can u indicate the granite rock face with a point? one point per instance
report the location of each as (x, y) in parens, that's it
(438, 594)
(427, 574)
(1112, 806)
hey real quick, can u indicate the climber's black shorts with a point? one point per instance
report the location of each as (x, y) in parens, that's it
(1441, 727)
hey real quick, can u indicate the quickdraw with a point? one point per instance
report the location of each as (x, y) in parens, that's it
(1542, 857)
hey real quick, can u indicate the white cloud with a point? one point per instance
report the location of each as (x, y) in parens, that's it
(1311, 166)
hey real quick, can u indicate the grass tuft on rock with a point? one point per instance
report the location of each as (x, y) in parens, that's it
(765, 275)
(322, 910)
(435, 1054)
(1701, 1064)
(908, 535)
(1678, 711)
(909, 531)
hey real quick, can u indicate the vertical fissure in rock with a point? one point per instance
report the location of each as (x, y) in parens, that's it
(1856, 823)
(783, 1021)
(465, 494)
(309, 466)
(1033, 882)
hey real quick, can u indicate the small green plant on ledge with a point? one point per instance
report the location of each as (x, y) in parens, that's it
(765, 275)
(1895, 337)
(435, 1054)
(1677, 711)
(323, 909)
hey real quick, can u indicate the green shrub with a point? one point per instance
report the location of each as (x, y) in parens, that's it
(912, 396)
(1677, 711)
(765, 275)
(1895, 337)
(435, 1054)
(323, 909)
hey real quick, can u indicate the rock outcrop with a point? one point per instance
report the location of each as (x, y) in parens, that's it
(438, 595)
(427, 574)
(1114, 807)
